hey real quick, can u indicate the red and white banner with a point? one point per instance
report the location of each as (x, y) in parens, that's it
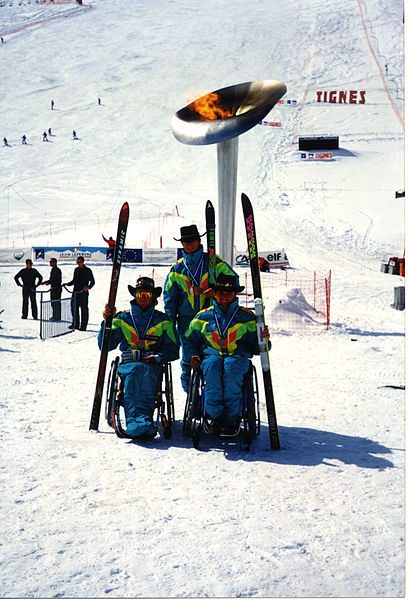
(287, 102)
(317, 156)
(270, 124)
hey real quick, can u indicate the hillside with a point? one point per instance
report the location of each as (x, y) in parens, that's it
(90, 515)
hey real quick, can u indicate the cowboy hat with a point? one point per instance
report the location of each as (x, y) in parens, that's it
(189, 233)
(227, 283)
(145, 284)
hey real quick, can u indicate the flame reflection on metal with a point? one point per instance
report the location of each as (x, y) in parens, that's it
(249, 103)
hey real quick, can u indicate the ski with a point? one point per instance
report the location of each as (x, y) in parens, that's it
(117, 261)
(210, 228)
(260, 319)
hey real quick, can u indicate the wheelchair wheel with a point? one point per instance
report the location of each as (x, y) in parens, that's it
(192, 410)
(252, 420)
(111, 391)
(168, 377)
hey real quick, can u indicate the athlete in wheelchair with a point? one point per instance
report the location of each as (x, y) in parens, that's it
(148, 341)
(221, 340)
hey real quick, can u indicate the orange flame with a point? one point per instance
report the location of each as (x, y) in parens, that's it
(209, 108)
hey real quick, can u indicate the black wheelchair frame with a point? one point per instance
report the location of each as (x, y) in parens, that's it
(250, 414)
(163, 405)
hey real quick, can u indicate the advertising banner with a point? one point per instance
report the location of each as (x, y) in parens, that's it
(276, 259)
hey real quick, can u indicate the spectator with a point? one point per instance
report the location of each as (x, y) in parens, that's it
(28, 277)
(83, 280)
(56, 288)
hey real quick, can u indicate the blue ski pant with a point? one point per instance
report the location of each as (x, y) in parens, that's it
(140, 388)
(224, 377)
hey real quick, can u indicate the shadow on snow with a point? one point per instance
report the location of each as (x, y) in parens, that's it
(299, 447)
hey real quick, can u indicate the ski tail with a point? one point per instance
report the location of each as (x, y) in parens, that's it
(260, 319)
(210, 227)
(117, 262)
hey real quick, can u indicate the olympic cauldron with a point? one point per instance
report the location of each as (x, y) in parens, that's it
(219, 118)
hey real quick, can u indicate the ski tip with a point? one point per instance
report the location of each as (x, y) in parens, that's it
(125, 207)
(244, 198)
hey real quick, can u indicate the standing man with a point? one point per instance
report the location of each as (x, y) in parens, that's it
(186, 288)
(83, 280)
(28, 276)
(56, 288)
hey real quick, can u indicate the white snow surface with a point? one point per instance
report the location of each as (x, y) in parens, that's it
(85, 514)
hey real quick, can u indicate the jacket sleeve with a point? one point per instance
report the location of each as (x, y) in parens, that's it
(91, 279)
(171, 296)
(225, 268)
(16, 278)
(115, 337)
(251, 343)
(193, 340)
(169, 342)
(40, 278)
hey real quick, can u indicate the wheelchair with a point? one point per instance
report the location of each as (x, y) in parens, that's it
(250, 426)
(163, 405)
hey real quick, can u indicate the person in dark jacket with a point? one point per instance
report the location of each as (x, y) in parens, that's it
(147, 338)
(83, 280)
(56, 288)
(28, 277)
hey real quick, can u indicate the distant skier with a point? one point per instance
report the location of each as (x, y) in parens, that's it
(28, 276)
(74, 135)
(112, 244)
(52, 104)
(45, 138)
(24, 140)
(99, 101)
(263, 265)
(49, 131)
(5, 142)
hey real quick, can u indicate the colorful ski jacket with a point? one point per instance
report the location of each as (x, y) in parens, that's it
(187, 280)
(216, 331)
(148, 330)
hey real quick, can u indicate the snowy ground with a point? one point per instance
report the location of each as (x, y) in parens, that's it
(89, 515)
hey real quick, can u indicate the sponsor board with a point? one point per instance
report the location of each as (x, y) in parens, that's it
(276, 259)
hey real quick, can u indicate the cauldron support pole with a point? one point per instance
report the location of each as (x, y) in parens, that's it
(227, 161)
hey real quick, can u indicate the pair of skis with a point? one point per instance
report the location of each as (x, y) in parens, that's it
(259, 311)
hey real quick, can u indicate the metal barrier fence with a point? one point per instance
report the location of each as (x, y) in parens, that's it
(56, 316)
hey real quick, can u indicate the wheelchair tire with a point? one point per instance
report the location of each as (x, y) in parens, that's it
(169, 393)
(193, 404)
(252, 424)
(111, 391)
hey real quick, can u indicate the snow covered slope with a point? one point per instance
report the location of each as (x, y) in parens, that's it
(89, 515)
